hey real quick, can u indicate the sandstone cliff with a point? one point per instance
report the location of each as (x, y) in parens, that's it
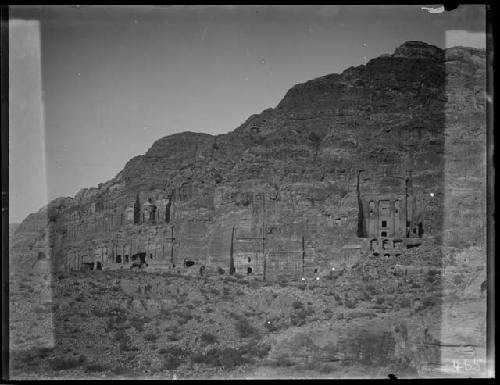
(299, 175)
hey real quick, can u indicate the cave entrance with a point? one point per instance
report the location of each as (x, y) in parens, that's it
(420, 229)
(142, 260)
(98, 266)
(249, 270)
(188, 263)
(118, 259)
(88, 265)
(383, 234)
(126, 258)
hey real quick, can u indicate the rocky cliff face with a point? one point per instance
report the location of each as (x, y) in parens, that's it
(407, 128)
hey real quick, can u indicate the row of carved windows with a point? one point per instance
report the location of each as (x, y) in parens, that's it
(384, 207)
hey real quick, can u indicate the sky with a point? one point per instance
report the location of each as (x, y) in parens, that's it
(92, 86)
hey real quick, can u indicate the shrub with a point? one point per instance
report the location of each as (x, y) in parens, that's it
(214, 291)
(380, 300)
(124, 340)
(171, 362)
(44, 352)
(350, 303)
(283, 361)
(65, 363)
(275, 324)
(183, 316)
(173, 357)
(95, 368)
(325, 369)
(138, 323)
(428, 302)
(253, 349)
(432, 276)
(366, 296)
(230, 358)
(311, 365)
(173, 336)
(244, 328)
(457, 280)
(150, 337)
(297, 305)
(40, 309)
(208, 338)
(226, 357)
(405, 302)
(298, 318)
(80, 298)
(200, 358)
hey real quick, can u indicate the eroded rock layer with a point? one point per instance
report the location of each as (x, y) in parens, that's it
(370, 162)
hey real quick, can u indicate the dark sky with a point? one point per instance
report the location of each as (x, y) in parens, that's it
(116, 78)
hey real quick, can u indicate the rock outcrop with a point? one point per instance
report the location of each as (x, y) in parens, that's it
(299, 188)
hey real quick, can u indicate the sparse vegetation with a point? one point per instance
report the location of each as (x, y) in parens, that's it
(283, 361)
(66, 363)
(350, 303)
(151, 337)
(124, 340)
(244, 328)
(429, 302)
(124, 324)
(94, 367)
(405, 302)
(173, 357)
(208, 338)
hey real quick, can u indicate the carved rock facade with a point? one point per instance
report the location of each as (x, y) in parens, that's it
(363, 164)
